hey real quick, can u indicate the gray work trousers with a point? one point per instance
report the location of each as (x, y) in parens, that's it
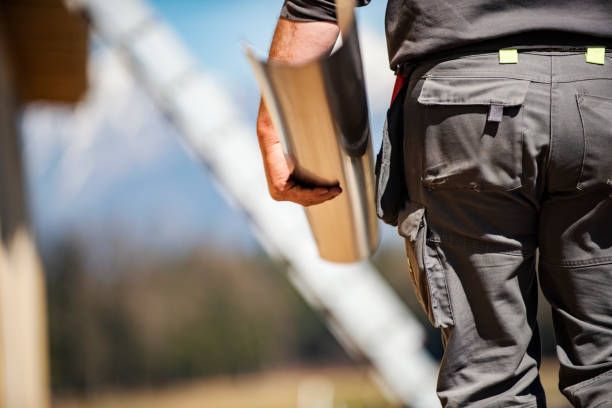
(509, 171)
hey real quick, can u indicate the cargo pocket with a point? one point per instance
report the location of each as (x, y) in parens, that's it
(427, 265)
(596, 118)
(473, 132)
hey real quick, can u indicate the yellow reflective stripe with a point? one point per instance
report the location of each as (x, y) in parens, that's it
(596, 55)
(508, 56)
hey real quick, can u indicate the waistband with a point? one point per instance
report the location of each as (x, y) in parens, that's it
(539, 41)
(536, 64)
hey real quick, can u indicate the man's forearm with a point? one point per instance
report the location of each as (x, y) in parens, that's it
(293, 42)
(297, 42)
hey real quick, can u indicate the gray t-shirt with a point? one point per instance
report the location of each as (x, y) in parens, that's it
(420, 28)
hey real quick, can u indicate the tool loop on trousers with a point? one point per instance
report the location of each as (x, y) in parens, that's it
(496, 112)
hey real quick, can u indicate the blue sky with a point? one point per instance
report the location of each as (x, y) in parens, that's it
(216, 30)
(114, 166)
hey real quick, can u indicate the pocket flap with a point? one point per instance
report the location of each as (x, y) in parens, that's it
(410, 219)
(473, 91)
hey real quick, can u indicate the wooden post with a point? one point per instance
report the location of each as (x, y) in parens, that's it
(23, 341)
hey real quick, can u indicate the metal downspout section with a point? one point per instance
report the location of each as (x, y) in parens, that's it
(320, 110)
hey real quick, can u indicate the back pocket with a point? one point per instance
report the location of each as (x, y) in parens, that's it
(596, 117)
(473, 132)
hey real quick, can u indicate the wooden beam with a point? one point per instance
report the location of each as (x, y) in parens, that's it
(24, 381)
(48, 46)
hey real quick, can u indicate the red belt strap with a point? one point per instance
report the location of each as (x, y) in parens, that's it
(400, 80)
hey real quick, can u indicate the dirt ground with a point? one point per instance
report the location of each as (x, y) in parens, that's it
(348, 387)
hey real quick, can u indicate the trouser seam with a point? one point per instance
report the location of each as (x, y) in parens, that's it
(577, 387)
(605, 260)
(548, 158)
(444, 267)
(453, 240)
(529, 405)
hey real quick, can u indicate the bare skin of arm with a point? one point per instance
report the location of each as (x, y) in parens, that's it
(293, 42)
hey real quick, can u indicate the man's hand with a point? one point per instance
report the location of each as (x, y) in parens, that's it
(283, 183)
(296, 43)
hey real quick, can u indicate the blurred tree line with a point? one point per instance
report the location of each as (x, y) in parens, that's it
(151, 318)
(147, 318)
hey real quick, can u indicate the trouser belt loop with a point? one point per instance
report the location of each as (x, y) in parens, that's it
(496, 112)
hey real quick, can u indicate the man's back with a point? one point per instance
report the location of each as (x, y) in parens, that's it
(418, 28)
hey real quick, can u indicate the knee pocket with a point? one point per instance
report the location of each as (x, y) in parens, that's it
(428, 268)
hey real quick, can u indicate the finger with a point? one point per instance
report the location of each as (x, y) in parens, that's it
(318, 201)
(321, 190)
(309, 192)
(328, 193)
(335, 190)
(308, 197)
